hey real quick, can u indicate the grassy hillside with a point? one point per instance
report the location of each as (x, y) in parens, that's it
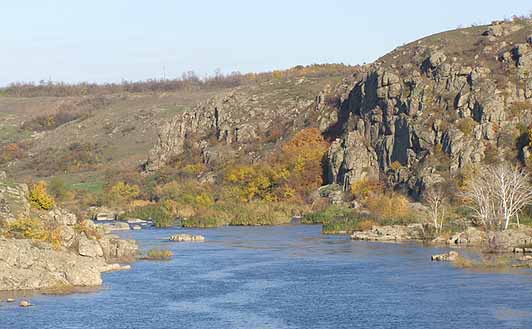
(86, 133)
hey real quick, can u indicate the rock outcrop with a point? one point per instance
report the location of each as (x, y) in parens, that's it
(470, 237)
(495, 241)
(13, 201)
(224, 125)
(28, 265)
(75, 257)
(427, 109)
(391, 233)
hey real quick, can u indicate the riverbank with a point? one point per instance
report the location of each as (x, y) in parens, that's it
(46, 247)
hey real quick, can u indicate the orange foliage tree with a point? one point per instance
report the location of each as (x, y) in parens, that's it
(293, 173)
(303, 157)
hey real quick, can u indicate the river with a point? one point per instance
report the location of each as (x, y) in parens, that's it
(285, 277)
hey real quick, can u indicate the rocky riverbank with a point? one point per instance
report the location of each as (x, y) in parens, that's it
(29, 265)
(511, 240)
(53, 250)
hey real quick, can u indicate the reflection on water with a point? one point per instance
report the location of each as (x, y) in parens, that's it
(285, 277)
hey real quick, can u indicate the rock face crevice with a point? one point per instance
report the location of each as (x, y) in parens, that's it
(406, 109)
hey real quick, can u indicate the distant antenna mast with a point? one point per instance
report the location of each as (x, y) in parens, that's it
(164, 72)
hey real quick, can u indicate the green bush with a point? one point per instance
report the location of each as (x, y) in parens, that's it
(160, 216)
(58, 188)
(203, 222)
(241, 214)
(158, 254)
(348, 224)
(337, 220)
(261, 213)
(324, 216)
(205, 217)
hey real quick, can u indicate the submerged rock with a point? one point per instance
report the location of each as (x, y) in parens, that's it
(187, 238)
(25, 303)
(451, 256)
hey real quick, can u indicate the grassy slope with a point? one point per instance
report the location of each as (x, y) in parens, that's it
(126, 127)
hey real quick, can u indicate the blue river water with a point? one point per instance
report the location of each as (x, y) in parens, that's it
(285, 277)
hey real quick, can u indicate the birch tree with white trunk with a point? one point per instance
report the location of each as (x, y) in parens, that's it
(436, 199)
(497, 194)
(513, 191)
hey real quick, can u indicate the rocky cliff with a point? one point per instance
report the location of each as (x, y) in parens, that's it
(430, 108)
(417, 116)
(242, 121)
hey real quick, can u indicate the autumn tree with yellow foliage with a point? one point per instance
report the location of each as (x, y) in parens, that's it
(294, 173)
(122, 193)
(302, 157)
(39, 197)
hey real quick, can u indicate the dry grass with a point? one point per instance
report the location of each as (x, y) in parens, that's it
(158, 254)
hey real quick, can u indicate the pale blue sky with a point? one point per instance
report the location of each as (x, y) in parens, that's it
(110, 40)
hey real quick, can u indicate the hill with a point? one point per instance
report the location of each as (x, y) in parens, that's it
(86, 133)
(371, 139)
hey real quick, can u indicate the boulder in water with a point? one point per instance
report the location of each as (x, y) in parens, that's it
(24, 303)
(187, 238)
(451, 256)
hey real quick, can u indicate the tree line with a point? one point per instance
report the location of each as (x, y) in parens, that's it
(188, 81)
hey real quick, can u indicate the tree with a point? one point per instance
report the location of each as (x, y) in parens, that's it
(497, 195)
(479, 197)
(39, 197)
(436, 199)
(513, 191)
(121, 193)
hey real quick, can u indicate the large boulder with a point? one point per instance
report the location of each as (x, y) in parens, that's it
(89, 247)
(60, 216)
(472, 236)
(28, 265)
(116, 249)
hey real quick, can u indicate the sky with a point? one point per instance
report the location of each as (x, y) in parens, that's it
(114, 40)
